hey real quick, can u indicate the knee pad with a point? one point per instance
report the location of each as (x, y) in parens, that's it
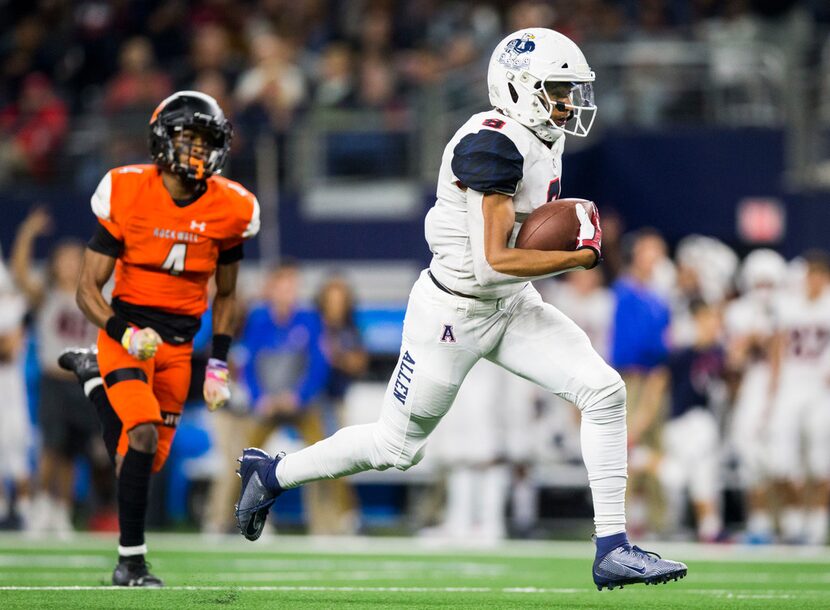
(144, 437)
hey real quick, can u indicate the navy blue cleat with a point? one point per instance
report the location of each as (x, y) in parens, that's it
(628, 565)
(256, 496)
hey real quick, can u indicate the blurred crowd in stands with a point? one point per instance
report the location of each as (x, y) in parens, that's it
(66, 65)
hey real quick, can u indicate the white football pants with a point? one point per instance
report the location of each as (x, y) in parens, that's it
(443, 337)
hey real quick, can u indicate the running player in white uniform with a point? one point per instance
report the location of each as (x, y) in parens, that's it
(798, 429)
(749, 324)
(476, 301)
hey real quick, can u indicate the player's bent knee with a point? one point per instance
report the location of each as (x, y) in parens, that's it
(144, 438)
(392, 450)
(407, 460)
(609, 407)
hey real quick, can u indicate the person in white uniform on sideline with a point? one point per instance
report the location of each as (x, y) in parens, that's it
(750, 327)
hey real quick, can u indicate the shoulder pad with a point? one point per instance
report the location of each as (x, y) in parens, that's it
(488, 161)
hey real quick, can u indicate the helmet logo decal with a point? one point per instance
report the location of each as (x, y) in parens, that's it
(516, 54)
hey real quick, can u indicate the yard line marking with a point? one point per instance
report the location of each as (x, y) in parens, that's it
(720, 593)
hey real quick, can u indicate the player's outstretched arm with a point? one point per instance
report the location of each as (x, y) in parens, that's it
(216, 390)
(499, 218)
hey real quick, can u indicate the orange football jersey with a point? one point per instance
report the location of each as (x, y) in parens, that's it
(170, 251)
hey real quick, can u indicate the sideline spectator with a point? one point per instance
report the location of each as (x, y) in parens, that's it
(68, 427)
(638, 346)
(694, 375)
(348, 360)
(285, 371)
(15, 428)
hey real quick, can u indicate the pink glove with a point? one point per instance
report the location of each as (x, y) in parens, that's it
(216, 390)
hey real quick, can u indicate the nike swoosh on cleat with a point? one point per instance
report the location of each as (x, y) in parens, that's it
(630, 567)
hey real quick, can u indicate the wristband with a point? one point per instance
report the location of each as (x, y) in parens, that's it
(116, 328)
(221, 347)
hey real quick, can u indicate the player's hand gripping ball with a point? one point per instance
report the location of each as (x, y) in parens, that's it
(141, 344)
(562, 225)
(216, 390)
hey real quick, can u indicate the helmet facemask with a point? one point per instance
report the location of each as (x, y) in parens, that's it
(197, 151)
(580, 102)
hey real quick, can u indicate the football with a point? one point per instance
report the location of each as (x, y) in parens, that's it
(552, 226)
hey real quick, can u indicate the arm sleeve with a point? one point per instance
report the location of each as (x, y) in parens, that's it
(231, 255)
(489, 162)
(105, 242)
(317, 371)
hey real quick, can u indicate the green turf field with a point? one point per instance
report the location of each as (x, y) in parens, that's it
(299, 572)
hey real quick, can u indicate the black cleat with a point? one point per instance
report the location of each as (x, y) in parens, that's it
(132, 572)
(81, 361)
(255, 499)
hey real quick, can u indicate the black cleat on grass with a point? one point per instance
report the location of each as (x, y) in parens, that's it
(255, 498)
(132, 572)
(81, 361)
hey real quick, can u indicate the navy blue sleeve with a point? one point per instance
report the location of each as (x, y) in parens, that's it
(488, 162)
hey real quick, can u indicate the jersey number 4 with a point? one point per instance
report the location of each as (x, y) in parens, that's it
(174, 263)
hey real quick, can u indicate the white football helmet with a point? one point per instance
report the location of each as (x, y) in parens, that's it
(520, 66)
(762, 267)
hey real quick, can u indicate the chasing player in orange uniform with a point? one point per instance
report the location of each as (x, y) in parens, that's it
(164, 229)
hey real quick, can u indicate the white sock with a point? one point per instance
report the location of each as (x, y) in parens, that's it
(461, 487)
(604, 450)
(817, 526)
(759, 523)
(495, 482)
(523, 504)
(709, 527)
(675, 508)
(61, 517)
(792, 523)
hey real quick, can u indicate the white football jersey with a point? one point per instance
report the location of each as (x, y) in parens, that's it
(751, 315)
(490, 153)
(806, 326)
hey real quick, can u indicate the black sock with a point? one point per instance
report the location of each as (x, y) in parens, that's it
(110, 422)
(131, 559)
(133, 491)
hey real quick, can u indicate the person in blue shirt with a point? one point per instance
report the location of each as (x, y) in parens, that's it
(283, 365)
(638, 346)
